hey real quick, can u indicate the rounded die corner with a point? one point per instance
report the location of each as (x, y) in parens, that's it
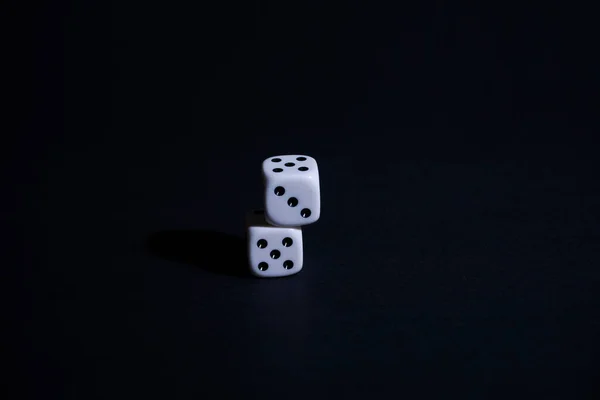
(256, 274)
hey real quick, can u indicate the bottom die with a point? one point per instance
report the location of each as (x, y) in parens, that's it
(273, 251)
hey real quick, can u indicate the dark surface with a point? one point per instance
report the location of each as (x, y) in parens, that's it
(458, 250)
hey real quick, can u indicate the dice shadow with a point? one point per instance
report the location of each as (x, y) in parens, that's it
(213, 251)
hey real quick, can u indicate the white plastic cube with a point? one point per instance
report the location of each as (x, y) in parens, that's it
(292, 190)
(273, 251)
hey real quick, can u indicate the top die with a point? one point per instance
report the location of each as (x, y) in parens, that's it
(292, 190)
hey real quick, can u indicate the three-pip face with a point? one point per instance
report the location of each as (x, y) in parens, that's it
(292, 190)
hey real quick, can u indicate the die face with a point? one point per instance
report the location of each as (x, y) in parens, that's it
(292, 190)
(273, 251)
(291, 203)
(294, 165)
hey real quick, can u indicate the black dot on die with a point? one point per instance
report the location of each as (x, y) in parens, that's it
(262, 243)
(301, 158)
(263, 266)
(305, 213)
(287, 242)
(289, 164)
(303, 169)
(279, 191)
(288, 264)
(277, 170)
(292, 202)
(276, 160)
(275, 254)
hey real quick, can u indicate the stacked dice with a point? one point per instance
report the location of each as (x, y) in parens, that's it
(292, 199)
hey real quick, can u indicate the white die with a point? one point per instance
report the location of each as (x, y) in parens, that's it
(273, 251)
(292, 190)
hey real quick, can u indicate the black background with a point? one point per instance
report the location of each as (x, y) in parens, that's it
(458, 247)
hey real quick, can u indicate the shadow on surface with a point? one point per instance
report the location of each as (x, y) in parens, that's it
(216, 252)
